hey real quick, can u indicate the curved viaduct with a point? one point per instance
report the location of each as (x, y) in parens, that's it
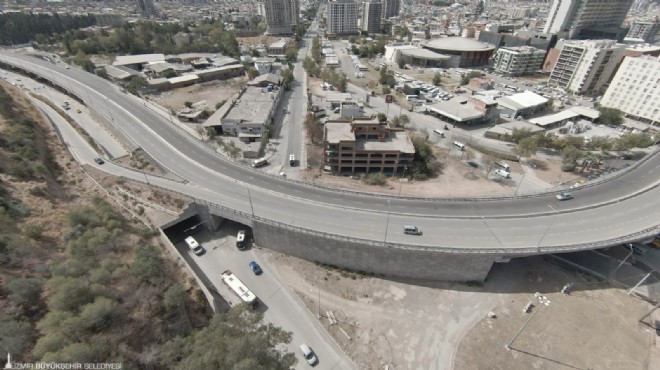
(461, 238)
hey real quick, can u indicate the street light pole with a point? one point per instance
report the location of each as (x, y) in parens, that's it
(387, 224)
(538, 245)
(250, 197)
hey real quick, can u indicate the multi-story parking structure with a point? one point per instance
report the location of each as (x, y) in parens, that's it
(365, 145)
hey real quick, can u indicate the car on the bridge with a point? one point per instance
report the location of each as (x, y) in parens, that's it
(564, 196)
(99, 160)
(411, 229)
(255, 268)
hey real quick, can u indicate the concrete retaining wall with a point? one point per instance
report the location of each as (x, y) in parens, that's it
(389, 261)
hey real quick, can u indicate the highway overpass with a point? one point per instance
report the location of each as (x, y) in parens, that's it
(461, 238)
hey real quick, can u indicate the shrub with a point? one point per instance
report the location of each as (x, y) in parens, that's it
(100, 314)
(25, 292)
(376, 178)
(34, 231)
(16, 336)
(147, 265)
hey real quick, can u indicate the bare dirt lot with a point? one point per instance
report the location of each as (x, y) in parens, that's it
(429, 325)
(212, 92)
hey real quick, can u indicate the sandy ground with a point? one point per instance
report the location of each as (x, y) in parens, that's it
(429, 325)
(212, 92)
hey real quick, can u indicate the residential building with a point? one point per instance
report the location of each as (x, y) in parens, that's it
(365, 145)
(371, 16)
(635, 89)
(278, 48)
(391, 8)
(281, 16)
(342, 16)
(584, 18)
(648, 31)
(584, 67)
(518, 61)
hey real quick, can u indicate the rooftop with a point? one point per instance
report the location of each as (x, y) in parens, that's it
(396, 141)
(337, 131)
(454, 110)
(586, 111)
(554, 118)
(253, 106)
(424, 53)
(123, 60)
(522, 100)
(459, 43)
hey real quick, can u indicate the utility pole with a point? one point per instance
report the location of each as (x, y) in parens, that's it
(250, 198)
(387, 224)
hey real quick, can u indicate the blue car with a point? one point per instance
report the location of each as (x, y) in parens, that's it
(255, 268)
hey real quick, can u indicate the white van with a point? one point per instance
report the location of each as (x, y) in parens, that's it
(503, 166)
(411, 229)
(194, 246)
(308, 354)
(411, 97)
(458, 145)
(439, 132)
(503, 173)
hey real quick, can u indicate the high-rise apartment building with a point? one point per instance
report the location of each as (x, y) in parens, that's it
(649, 31)
(342, 16)
(584, 67)
(577, 18)
(281, 16)
(391, 8)
(371, 16)
(518, 61)
(635, 89)
(146, 7)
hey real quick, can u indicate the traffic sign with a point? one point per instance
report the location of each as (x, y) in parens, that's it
(389, 99)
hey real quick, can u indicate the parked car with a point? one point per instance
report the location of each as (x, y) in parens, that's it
(564, 196)
(255, 268)
(503, 173)
(472, 164)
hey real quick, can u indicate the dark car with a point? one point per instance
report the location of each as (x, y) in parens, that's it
(255, 268)
(99, 160)
(472, 164)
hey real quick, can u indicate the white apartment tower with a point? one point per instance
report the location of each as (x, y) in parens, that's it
(342, 16)
(518, 61)
(371, 16)
(281, 16)
(584, 67)
(573, 17)
(635, 89)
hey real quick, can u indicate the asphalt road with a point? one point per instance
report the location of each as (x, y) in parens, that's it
(468, 224)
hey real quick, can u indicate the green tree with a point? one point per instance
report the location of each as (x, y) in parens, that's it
(69, 294)
(237, 339)
(99, 314)
(437, 79)
(465, 78)
(381, 117)
(519, 134)
(342, 82)
(570, 155)
(488, 161)
(252, 73)
(400, 61)
(25, 291)
(232, 150)
(287, 76)
(526, 147)
(610, 116)
(632, 140)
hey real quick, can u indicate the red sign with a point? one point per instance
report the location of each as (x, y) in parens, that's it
(389, 99)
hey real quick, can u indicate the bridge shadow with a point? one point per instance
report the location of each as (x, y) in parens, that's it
(546, 358)
(543, 274)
